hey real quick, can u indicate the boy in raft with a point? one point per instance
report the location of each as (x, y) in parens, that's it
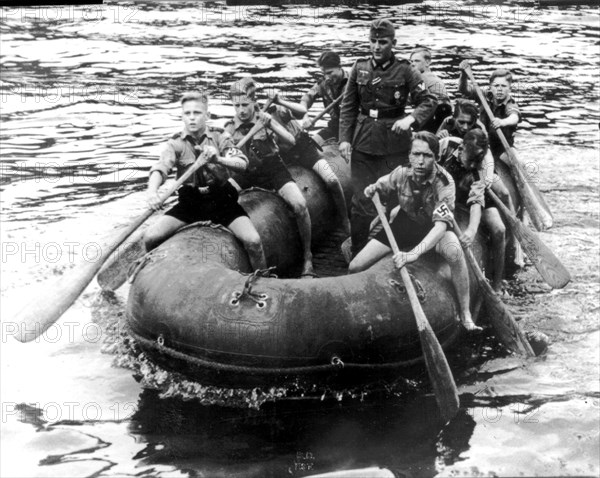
(463, 120)
(305, 153)
(503, 106)
(328, 89)
(266, 168)
(426, 194)
(471, 165)
(207, 195)
(420, 60)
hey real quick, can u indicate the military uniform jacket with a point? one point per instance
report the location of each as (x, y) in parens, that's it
(374, 98)
(423, 203)
(180, 151)
(261, 145)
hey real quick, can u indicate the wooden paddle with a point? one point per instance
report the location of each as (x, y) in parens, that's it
(324, 112)
(505, 326)
(38, 315)
(446, 393)
(532, 198)
(547, 264)
(116, 270)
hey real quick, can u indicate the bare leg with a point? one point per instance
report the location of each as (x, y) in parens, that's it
(501, 191)
(323, 169)
(491, 218)
(449, 247)
(292, 195)
(368, 255)
(244, 230)
(160, 231)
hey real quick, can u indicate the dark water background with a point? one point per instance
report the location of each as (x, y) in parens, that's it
(88, 94)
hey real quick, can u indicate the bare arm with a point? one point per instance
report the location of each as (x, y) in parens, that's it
(278, 129)
(298, 109)
(154, 182)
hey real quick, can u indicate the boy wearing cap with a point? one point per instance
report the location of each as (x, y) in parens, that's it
(207, 195)
(374, 129)
(266, 168)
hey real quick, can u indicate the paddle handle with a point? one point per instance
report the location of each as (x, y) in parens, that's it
(506, 327)
(444, 387)
(255, 129)
(534, 203)
(325, 111)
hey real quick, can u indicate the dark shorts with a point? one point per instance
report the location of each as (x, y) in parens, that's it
(219, 207)
(407, 232)
(330, 131)
(272, 174)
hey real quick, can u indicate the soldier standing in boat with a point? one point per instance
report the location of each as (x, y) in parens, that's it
(207, 195)
(426, 193)
(374, 129)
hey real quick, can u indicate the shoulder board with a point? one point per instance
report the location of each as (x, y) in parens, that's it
(359, 60)
(176, 135)
(403, 61)
(229, 124)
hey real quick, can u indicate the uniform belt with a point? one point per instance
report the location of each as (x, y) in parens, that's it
(382, 114)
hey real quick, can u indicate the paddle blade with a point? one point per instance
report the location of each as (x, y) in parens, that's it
(506, 328)
(442, 381)
(534, 203)
(50, 301)
(548, 265)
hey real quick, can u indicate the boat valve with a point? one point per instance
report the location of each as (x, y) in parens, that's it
(337, 362)
(160, 340)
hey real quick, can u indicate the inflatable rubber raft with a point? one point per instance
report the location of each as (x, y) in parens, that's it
(195, 307)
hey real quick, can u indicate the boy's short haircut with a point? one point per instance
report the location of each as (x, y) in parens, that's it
(244, 87)
(429, 138)
(329, 59)
(466, 107)
(426, 53)
(501, 73)
(476, 137)
(200, 96)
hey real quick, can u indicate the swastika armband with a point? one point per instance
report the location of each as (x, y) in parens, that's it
(443, 211)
